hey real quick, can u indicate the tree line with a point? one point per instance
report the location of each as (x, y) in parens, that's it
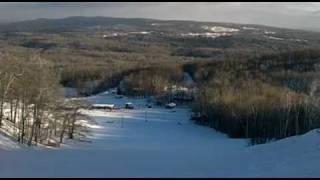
(261, 98)
(32, 109)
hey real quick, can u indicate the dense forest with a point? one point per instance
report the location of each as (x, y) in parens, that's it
(264, 98)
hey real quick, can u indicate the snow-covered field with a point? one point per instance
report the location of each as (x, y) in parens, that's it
(207, 34)
(215, 31)
(157, 142)
(124, 34)
(219, 29)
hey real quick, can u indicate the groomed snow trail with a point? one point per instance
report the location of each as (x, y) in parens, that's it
(151, 129)
(168, 144)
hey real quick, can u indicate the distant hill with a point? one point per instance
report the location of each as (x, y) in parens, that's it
(76, 23)
(67, 24)
(227, 32)
(185, 38)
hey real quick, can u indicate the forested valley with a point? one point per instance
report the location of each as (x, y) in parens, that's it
(250, 84)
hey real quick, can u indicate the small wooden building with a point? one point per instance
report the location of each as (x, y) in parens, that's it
(103, 106)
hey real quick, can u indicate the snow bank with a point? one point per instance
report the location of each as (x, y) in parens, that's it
(297, 156)
(6, 143)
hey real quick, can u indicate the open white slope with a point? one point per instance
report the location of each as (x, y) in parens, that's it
(7, 143)
(124, 144)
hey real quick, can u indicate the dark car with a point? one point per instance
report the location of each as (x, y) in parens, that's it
(196, 116)
(199, 118)
(129, 106)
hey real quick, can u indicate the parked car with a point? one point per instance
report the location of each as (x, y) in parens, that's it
(199, 118)
(113, 91)
(196, 116)
(129, 106)
(171, 105)
(149, 105)
(119, 96)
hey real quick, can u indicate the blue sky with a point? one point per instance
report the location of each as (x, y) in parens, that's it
(285, 14)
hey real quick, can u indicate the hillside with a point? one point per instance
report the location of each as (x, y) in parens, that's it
(98, 42)
(202, 33)
(250, 81)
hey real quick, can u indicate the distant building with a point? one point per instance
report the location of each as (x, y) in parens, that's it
(180, 93)
(177, 94)
(103, 106)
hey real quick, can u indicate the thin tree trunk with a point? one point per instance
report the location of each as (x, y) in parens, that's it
(38, 128)
(55, 126)
(31, 135)
(33, 125)
(11, 110)
(15, 111)
(73, 121)
(63, 128)
(1, 110)
(23, 118)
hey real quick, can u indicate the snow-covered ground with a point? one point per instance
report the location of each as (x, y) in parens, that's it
(219, 29)
(124, 34)
(157, 142)
(250, 28)
(215, 31)
(206, 34)
(7, 143)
